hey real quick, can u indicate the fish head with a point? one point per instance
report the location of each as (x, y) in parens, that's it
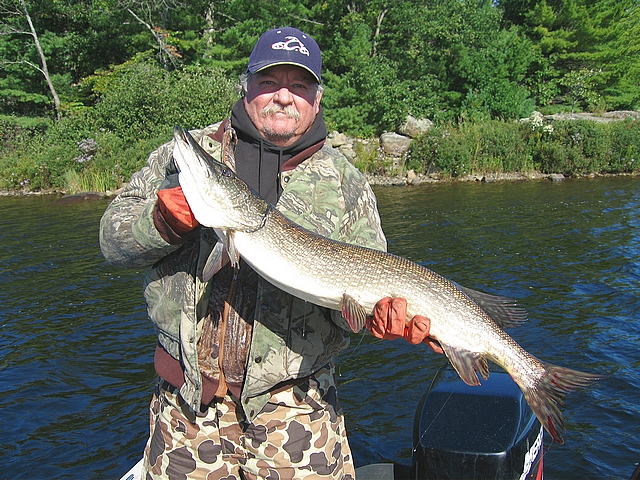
(217, 197)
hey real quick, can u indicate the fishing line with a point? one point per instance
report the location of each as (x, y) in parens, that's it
(353, 351)
(415, 446)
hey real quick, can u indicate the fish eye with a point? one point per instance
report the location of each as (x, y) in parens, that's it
(227, 172)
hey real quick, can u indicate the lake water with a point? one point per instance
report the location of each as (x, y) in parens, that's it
(76, 348)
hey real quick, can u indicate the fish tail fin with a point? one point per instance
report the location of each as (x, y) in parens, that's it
(547, 397)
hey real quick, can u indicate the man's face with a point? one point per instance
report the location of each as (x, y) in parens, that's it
(281, 102)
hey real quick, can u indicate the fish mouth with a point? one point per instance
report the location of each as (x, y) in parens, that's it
(182, 134)
(206, 166)
(215, 194)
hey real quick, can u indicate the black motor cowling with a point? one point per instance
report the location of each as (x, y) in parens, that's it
(485, 432)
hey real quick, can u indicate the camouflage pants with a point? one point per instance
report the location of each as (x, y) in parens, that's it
(300, 434)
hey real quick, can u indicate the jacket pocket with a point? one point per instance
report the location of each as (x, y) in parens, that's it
(169, 290)
(291, 339)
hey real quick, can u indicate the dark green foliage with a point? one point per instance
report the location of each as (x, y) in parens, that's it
(587, 52)
(370, 99)
(443, 60)
(126, 72)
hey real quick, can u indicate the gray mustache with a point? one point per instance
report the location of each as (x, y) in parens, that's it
(289, 111)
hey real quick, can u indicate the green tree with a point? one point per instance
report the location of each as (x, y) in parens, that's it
(617, 52)
(477, 66)
(383, 59)
(234, 26)
(76, 38)
(17, 13)
(574, 38)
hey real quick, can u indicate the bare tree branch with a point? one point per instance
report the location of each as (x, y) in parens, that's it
(381, 15)
(10, 10)
(23, 62)
(305, 19)
(166, 50)
(20, 10)
(10, 30)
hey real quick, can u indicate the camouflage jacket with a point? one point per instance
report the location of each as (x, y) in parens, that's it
(290, 338)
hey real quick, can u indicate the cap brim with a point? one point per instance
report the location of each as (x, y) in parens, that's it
(261, 68)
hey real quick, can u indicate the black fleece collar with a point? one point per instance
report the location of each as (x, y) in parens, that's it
(259, 162)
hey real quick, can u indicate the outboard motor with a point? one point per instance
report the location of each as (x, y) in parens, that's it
(484, 432)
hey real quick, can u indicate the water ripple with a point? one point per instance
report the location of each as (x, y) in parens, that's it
(76, 348)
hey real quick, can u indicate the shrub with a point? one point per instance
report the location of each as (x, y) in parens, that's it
(625, 146)
(576, 147)
(368, 158)
(99, 148)
(143, 101)
(14, 131)
(198, 96)
(442, 148)
(486, 146)
(571, 147)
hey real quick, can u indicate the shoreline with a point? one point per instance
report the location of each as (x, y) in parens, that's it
(397, 181)
(412, 180)
(374, 180)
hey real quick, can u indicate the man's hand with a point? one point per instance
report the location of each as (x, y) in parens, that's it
(389, 322)
(176, 211)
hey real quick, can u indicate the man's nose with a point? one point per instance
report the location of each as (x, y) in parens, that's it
(283, 96)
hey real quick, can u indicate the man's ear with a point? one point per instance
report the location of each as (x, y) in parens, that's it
(317, 102)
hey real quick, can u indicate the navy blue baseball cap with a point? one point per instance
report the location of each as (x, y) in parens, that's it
(286, 46)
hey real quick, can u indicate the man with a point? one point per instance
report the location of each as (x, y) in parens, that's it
(246, 378)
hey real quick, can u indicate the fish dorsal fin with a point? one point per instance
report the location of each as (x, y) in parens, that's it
(467, 364)
(353, 312)
(503, 310)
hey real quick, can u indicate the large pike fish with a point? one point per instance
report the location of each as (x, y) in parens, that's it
(467, 324)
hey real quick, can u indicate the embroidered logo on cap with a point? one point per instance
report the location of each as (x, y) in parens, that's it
(291, 43)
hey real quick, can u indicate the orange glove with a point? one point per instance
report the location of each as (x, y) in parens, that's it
(389, 321)
(174, 208)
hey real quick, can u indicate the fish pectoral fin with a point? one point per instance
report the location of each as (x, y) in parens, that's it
(229, 141)
(234, 255)
(353, 312)
(217, 259)
(467, 363)
(226, 238)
